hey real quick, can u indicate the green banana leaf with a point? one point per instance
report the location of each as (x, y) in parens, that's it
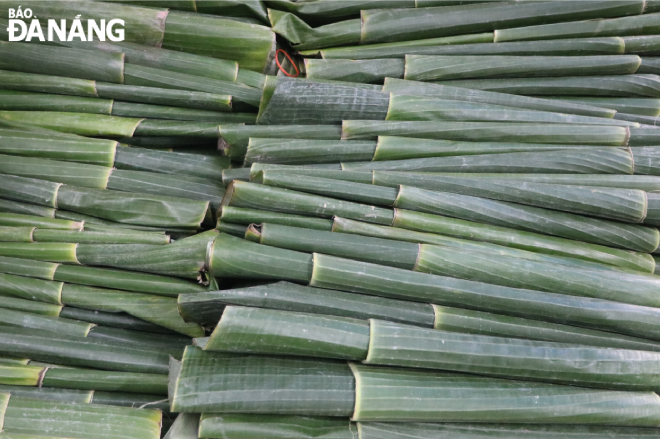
(27, 101)
(239, 215)
(295, 152)
(646, 24)
(47, 84)
(368, 71)
(41, 251)
(20, 375)
(41, 323)
(31, 306)
(113, 320)
(157, 128)
(165, 96)
(104, 237)
(302, 36)
(76, 123)
(643, 45)
(124, 109)
(27, 210)
(276, 426)
(29, 190)
(644, 136)
(79, 174)
(639, 106)
(28, 268)
(54, 395)
(313, 171)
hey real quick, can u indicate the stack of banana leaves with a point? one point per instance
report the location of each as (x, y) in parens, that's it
(297, 219)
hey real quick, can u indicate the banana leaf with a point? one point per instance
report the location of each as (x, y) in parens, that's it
(306, 102)
(34, 142)
(382, 26)
(30, 306)
(627, 205)
(404, 148)
(41, 251)
(642, 120)
(25, 209)
(239, 215)
(104, 237)
(302, 36)
(368, 71)
(251, 384)
(165, 96)
(39, 192)
(333, 174)
(161, 311)
(567, 47)
(184, 258)
(640, 106)
(61, 61)
(235, 138)
(276, 427)
(28, 268)
(646, 24)
(418, 108)
(124, 109)
(83, 351)
(442, 397)
(29, 416)
(229, 175)
(157, 128)
(653, 216)
(489, 131)
(293, 151)
(112, 320)
(252, 46)
(142, 25)
(149, 77)
(79, 174)
(400, 49)
(647, 160)
(256, 196)
(405, 87)
(185, 426)
(650, 65)
(643, 45)
(207, 308)
(624, 86)
(27, 101)
(255, 330)
(53, 395)
(232, 229)
(16, 234)
(20, 375)
(47, 84)
(82, 124)
(141, 159)
(39, 322)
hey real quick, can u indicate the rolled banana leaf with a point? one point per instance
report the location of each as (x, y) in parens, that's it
(400, 49)
(572, 161)
(105, 237)
(650, 66)
(157, 128)
(333, 174)
(639, 106)
(54, 395)
(80, 174)
(653, 216)
(42, 251)
(333, 11)
(440, 68)
(646, 24)
(47, 84)
(239, 215)
(642, 120)
(627, 205)
(253, 330)
(165, 96)
(207, 308)
(158, 58)
(83, 351)
(30, 417)
(643, 45)
(367, 71)
(197, 165)
(16, 375)
(623, 86)
(161, 311)
(382, 26)
(279, 426)
(489, 131)
(38, 322)
(405, 148)
(644, 136)
(135, 75)
(302, 36)
(257, 196)
(305, 102)
(30, 306)
(235, 138)
(438, 396)
(252, 46)
(82, 124)
(313, 387)
(113, 320)
(184, 258)
(142, 25)
(293, 152)
(61, 61)
(124, 109)
(19, 220)
(27, 101)
(406, 87)
(417, 108)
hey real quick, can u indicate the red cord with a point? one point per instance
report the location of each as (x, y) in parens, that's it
(277, 60)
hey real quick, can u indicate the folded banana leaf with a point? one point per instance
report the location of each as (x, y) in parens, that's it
(405, 87)
(124, 109)
(47, 84)
(294, 152)
(304, 102)
(135, 75)
(334, 11)
(440, 68)
(234, 139)
(164, 59)
(185, 426)
(640, 106)
(165, 96)
(334, 174)
(625, 86)
(302, 36)
(79, 174)
(642, 45)
(142, 25)
(650, 65)
(31, 417)
(571, 161)
(32, 234)
(418, 108)
(31, 307)
(360, 277)
(28, 101)
(19, 220)
(567, 47)
(382, 26)
(113, 320)
(627, 205)
(368, 71)
(279, 426)
(641, 120)
(646, 24)
(489, 131)
(239, 215)
(61, 61)
(252, 46)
